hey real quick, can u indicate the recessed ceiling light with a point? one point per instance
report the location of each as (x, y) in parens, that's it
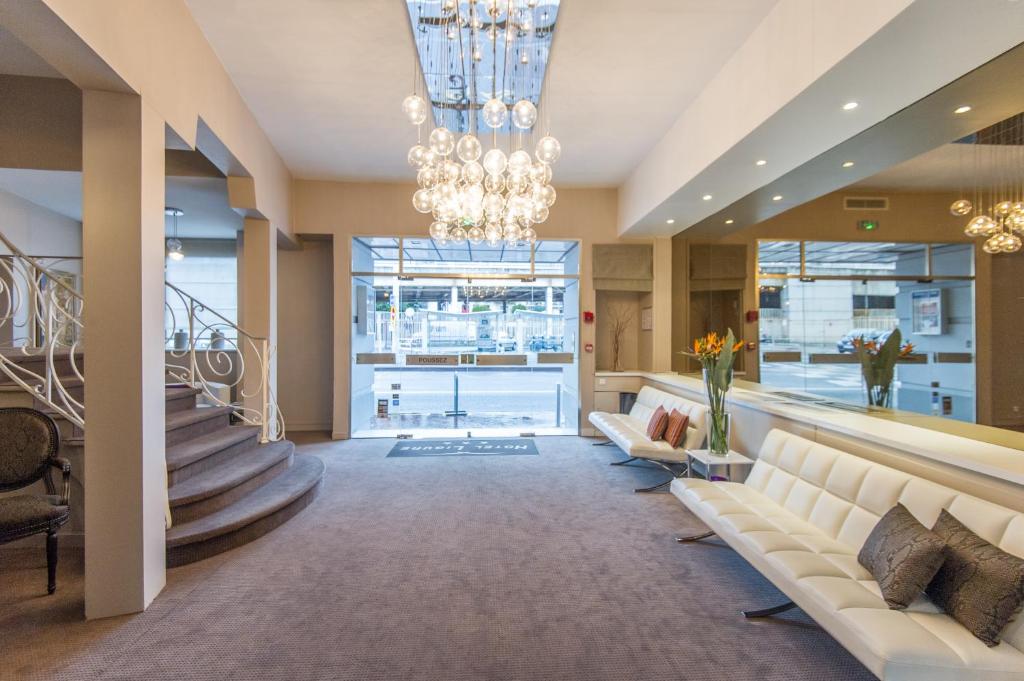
(670, 221)
(706, 197)
(777, 197)
(848, 164)
(850, 106)
(729, 221)
(760, 162)
(961, 109)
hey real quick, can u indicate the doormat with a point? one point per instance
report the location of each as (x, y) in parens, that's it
(473, 447)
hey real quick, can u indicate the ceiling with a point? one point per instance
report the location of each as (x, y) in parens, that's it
(325, 80)
(204, 199)
(951, 167)
(16, 59)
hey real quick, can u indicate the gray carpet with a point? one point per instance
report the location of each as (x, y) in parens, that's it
(443, 569)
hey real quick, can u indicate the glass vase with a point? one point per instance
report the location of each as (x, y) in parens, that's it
(718, 432)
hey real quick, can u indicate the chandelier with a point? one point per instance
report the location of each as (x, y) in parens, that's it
(482, 63)
(997, 207)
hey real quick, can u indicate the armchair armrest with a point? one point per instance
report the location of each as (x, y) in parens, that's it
(65, 468)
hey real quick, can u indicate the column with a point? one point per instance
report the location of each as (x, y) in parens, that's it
(661, 351)
(258, 307)
(123, 274)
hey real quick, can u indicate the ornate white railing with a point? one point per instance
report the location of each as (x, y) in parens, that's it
(41, 323)
(209, 351)
(41, 349)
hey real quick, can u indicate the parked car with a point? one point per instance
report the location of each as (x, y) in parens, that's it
(845, 344)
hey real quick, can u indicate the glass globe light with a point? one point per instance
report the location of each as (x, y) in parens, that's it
(529, 235)
(494, 183)
(452, 171)
(961, 207)
(415, 109)
(1016, 221)
(493, 204)
(495, 113)
(474, 193)
(422, 201)
(1012, 243)
(981, 225)
(472, 173)
(510, 231)
(540, 173)
(492, 232)
(174, 251)
(524, 114)
(519, 163)
(438, 230)
(1003, 208)
(469, 148)
(540, 214)
(457, 234)
(475, 234)
(418, 156)
(448, 211)
(548, 150)
(993, 244)
(446, 191)
(442, 141)
(547, 195)
(495, 162)
(516, 184)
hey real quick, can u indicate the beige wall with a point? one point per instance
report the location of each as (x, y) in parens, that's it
(39, 231)
(304, 357)
(344, 210)
(921, 217)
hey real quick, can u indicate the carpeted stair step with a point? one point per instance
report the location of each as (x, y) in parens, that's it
(180, 398)
(202, 453)
(37, 364)
(250, 517)
(191, 423)
(220, 486)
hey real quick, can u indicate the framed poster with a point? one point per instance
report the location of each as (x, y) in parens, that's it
(647, 319)
(926, 311)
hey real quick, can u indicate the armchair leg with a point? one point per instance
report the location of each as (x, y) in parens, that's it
(51, 562)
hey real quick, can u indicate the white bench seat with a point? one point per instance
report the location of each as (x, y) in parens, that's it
(800, 519)
(629, 431)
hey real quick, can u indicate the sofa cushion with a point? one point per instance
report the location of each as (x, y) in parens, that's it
(675, 433)
(902, 555)
(979, 585)
(658, 423)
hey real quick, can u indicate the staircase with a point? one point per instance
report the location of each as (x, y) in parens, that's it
(231, 475)
(225, 489)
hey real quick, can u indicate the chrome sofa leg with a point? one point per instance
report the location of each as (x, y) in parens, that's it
(622, 463)
(655, 487)
(602, 444)
(768, 612)
(695, 537)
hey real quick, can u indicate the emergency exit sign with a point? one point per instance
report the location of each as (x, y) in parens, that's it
(868, 225)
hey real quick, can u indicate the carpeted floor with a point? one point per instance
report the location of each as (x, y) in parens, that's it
(443, 569)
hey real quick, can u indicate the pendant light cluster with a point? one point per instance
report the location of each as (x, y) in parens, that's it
(482, 62)
(997, 206)
(174, 248)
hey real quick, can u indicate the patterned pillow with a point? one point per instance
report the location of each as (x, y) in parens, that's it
(902, 555)
(658, 423)
(979, 585)
(675, 433)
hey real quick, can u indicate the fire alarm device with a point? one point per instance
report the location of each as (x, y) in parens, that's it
(751, 345)
(589, 347)
(751, 316)
(588, 317)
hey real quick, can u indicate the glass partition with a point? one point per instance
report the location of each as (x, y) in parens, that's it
(816, 298)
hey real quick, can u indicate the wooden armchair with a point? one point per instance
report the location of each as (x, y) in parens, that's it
(29, 442)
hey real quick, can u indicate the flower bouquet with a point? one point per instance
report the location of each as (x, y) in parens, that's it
(716, 355)
(877, 364)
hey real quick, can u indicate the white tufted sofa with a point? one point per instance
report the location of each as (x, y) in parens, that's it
(800, 519)
(629, 431)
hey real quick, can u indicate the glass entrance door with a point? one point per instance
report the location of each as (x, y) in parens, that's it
(467, 344)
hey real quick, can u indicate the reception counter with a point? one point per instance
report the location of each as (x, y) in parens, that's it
(985, 461)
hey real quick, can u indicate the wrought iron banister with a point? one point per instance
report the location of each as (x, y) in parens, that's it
(218, 355)
(41, 322)
(41, 318)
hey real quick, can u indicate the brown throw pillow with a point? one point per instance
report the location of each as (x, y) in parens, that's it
(979, 585)
(902, 555)
(658, 423)
(675, 433)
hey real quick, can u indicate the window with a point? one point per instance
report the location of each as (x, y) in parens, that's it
(209, 274)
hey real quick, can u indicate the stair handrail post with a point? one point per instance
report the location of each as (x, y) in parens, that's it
(192, 342)
(265, 391)
(49, 340)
